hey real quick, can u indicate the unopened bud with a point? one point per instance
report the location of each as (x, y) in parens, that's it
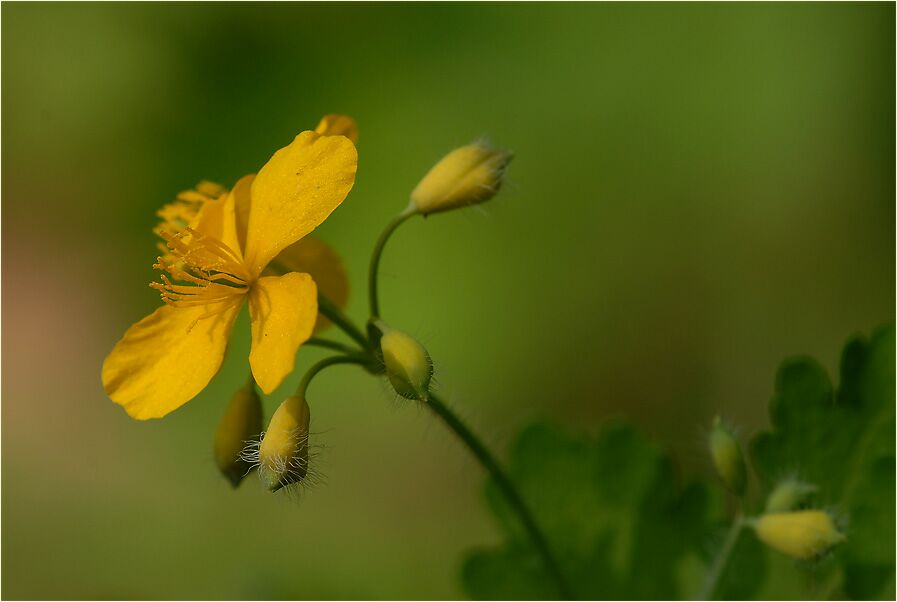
(727, 457)
(805, 534)
(242, 420)
(466, 176)
(283, 452)
(408, 364)
(788, 495)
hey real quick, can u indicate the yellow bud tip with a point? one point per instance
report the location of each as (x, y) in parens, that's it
(283, 452)
(804, 535)
(727, 458)
(241, 422)
(466, 176)
(408, 364)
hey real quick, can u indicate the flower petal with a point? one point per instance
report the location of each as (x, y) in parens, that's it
(335, 124)
(295, 191)
(161, 362)
(241, 199)
(217, 218)
(282, 310)
(318, 259)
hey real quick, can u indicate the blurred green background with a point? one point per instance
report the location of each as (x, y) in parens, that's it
(698, 192)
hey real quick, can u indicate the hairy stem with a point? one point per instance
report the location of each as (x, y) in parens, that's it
(722, 558)
(375, 259)
(507, 488)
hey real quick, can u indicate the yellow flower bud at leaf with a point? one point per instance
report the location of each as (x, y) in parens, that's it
(805, 534)
(283, 452)
(788, 495)
(727, 457)
(242, 421)
(466, 176)
(408, 364)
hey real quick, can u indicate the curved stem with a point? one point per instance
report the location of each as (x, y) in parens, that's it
(335, 315)
(328, 344)
(375, 259)
(324, 363)
(722, 558)
(507, 488)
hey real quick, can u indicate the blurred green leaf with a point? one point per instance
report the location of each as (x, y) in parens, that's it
(842, 441)
(622, 527)
(613, 513)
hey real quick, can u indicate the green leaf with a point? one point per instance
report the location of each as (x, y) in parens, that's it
(613, 513)
(843, 442)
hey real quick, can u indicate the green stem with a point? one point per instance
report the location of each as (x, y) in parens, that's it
(507, 488)
(324, 363)
(335, 315)
(722, 558)
(328, 344)
(375, 259)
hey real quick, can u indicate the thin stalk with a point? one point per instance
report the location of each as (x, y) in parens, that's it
(375, 259)
(328, 344)
(722, 558)
(324, 363)
(335, 315)
(487, 460)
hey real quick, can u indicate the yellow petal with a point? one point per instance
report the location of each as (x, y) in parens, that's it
(318, 259)
(161, 362)
(335, 124)
(282, 310)
(241, 199)
(217, 219)
(295, 191)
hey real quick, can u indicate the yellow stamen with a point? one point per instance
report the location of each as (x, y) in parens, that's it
(179, 214)
(212, 272)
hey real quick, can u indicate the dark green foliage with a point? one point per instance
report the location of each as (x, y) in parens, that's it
(622, 527)
(613, 513)
(843, 442)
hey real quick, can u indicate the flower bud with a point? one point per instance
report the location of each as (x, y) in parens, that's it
(242, 420)
(788, 495)
(727, 458)
(804, 534)
(283, 452)
(408, 364)
(466, 176)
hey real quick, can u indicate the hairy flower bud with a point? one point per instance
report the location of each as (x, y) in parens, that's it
(788, 495)
(466, 176)
(804, 534)
(408, 364)
(283, 452)
(727, 457)
(242, 420)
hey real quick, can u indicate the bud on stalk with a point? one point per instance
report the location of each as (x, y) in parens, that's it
(408, 364)
(804, 535)
(466, 176)
(242, 421)
(727, 457)
(283, 452)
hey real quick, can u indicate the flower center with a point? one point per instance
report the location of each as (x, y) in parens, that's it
(212, 272)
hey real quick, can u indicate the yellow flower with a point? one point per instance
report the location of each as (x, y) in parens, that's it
(217, 263)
